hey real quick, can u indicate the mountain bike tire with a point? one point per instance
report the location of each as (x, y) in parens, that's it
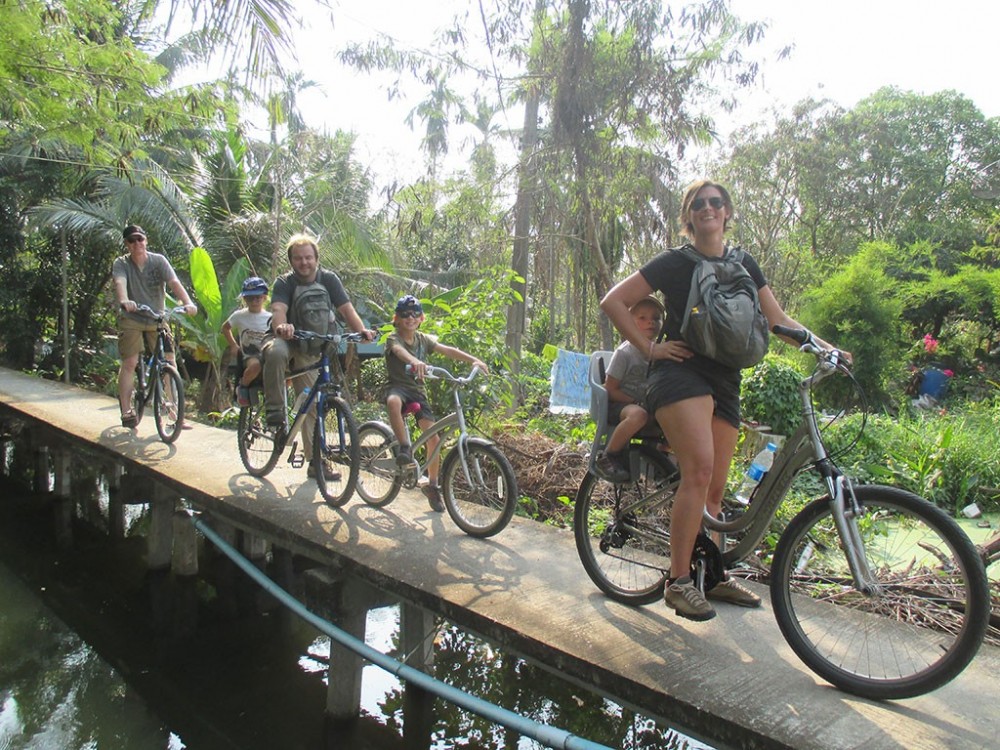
(482, 503)
(335, 445)
(625, 546)
(920, 624)
(259, 450)
(168, 404)
(378, 480)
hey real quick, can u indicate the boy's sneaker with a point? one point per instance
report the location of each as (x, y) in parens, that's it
(242, 396)
(687, 600)
(733, 592)
(433, 495)
(612, 468)
(405, 455)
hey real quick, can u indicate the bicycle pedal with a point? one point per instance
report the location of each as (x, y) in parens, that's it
(296, 460)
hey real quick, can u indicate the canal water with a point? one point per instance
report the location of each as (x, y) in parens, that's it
(96, 652)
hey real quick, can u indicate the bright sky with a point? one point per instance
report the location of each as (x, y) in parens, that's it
(844, 50)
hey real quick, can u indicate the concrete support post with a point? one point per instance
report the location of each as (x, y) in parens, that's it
(42, 485)
(185, 547)
(64, 505)
(343, 694)
(418, 629)
(161, 528)
(116, 508)
(61, 465)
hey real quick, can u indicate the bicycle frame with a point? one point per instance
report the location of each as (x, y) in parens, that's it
(317, 393)
(803, 448)
(444, 427)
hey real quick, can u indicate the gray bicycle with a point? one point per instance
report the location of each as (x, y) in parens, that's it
(877, 590)
(477, 481)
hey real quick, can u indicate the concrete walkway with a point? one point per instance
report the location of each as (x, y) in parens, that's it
(732, 681)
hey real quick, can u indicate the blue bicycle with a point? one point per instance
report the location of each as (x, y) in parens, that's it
(335, 437)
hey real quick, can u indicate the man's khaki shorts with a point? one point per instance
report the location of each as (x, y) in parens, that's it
(131, 334)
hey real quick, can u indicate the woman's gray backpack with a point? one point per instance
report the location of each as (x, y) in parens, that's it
(723, 320)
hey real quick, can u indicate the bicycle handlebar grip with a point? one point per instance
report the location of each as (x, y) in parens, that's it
(801, 335)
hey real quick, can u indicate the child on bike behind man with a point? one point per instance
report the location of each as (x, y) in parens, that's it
(406, 393)
(626, 386)
(251, 324)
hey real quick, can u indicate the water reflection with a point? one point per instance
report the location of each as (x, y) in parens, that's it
(218, 666)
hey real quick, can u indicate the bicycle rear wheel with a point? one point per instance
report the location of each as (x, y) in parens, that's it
(259, 450)
(481, 503)
(378, 480)
(335, 450)
(622, 539)
(168, 403)
(924, 616)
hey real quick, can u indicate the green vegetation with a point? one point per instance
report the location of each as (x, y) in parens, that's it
(876, 226)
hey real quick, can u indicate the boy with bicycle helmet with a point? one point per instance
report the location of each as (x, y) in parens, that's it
(251, 324)
(406, 393)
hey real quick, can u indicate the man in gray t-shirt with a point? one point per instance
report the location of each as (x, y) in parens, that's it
(282, 352)
(140, 279)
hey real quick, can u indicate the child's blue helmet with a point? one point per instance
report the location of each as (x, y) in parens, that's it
(409, 303)
(254, 287)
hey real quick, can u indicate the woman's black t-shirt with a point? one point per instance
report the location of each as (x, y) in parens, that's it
(670, 273)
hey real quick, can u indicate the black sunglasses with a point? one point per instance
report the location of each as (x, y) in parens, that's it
(135, 238)
(715, 202)
(409, 314)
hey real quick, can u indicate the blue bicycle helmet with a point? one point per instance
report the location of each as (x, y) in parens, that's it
(254, 287)
(409, 303)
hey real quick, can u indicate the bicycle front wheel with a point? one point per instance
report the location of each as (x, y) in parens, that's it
(168, 403)
(138, 400)
(482, 501)
(259, 451)
(919, 621)
(378, 480)
(622, 537)
(335, 450)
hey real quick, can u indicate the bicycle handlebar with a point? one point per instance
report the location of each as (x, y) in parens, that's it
(164, 315)
(333, 338)
(807, 343)
(439, 373)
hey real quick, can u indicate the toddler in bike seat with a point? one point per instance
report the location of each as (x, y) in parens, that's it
(626, 387)
(250, 324)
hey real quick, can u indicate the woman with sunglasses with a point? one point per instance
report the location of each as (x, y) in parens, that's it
(696, 400)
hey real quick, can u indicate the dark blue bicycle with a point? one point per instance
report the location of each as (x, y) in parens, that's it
(335, 436)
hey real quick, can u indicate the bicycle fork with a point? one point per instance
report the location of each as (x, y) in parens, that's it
(846, 510)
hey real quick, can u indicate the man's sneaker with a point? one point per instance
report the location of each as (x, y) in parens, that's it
(130, 420)
(405, 455)
(612, 468)
(328, 472)
(242, 396)
(687, 600)
(433, 495)
(732, 592)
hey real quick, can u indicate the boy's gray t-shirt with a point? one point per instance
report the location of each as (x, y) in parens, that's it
(630, 368)
(423, 345)
(145, 286)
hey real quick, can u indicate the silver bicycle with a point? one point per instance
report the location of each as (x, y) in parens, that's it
(478, 485)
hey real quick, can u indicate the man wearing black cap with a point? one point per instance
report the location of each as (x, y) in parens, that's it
(140, 279)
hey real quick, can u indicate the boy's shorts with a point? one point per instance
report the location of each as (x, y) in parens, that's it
(412, 400)
(670, 382)
(131, 334)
